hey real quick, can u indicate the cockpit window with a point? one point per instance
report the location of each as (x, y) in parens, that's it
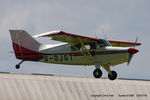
(103, 43)
(91, 46)
(76, 47)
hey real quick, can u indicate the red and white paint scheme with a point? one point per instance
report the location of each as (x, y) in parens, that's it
(78, 50)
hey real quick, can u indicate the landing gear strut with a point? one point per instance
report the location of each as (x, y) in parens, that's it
(18, 65)
(97, 73)
(112, 75)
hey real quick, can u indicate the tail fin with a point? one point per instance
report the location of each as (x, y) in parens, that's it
(25, 47)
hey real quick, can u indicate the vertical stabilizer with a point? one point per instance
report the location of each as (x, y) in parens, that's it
(23, 44)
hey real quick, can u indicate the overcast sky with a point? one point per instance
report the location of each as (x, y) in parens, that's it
(111, 19)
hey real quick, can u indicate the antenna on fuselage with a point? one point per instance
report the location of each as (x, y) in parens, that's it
(105, 37)
(95, 34)
(103, 32)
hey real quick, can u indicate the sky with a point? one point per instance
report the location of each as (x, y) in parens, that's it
(110, 19)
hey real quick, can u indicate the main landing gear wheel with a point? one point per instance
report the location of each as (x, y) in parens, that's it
(97, 73)
(112, 76)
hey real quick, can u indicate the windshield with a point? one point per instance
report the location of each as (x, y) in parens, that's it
(103, 43)
(91, 46)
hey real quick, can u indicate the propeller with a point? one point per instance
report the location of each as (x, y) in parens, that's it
(129, 59)
(131, 51)
(135, 41)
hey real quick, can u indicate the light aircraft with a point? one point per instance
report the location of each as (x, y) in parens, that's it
(78, 50)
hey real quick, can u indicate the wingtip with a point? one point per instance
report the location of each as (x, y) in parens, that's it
(47, 33)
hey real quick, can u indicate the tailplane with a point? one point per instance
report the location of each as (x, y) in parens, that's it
(25, 47)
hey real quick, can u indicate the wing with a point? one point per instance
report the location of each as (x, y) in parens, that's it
(68, 37)
(117, 43)
(72, 39)
(76, 39)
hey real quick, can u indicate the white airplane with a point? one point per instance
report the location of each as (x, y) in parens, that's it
(78, 50)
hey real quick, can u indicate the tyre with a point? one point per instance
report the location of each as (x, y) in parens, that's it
(17, 66)
(112, 76)
(97, 73)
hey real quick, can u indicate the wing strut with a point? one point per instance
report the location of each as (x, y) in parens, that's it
(85, 49)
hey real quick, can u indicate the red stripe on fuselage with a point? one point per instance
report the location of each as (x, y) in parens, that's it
(26, 54)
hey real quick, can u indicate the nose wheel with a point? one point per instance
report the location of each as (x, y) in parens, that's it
(112, 75)
(18, 65)
(97, 73)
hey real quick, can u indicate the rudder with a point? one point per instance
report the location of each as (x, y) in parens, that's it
(23, 44)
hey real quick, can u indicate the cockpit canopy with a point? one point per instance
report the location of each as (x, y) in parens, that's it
(92, 46)
(103, 43)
